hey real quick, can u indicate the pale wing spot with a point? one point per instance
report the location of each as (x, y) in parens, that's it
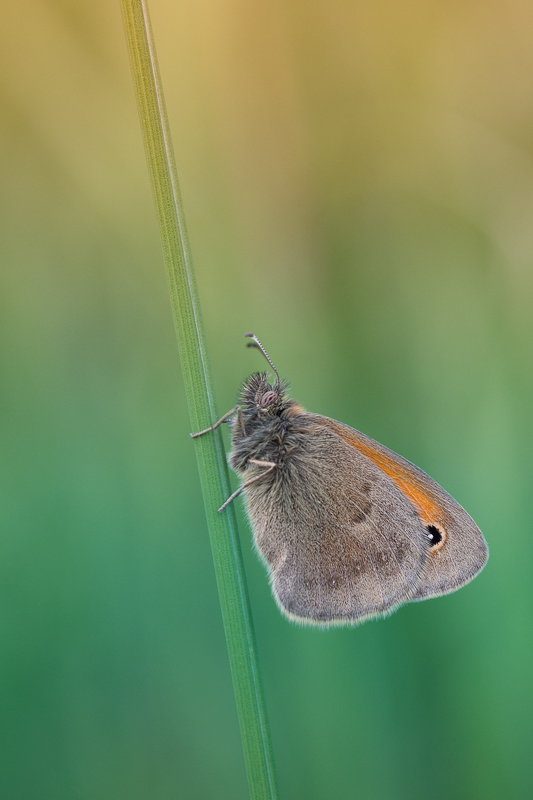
(389, 545)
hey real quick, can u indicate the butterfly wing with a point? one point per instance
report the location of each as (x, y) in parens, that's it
(341, 540)
(458, 550)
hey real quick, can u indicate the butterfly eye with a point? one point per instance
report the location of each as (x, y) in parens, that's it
(268, 398)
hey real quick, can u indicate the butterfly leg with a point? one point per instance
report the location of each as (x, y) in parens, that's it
(270, 465)
(236, 410)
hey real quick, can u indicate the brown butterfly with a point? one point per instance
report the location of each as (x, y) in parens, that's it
(347, 529)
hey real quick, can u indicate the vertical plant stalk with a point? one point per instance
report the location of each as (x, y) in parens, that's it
(209, 448)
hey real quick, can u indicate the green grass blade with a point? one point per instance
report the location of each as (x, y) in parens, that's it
(209, 448)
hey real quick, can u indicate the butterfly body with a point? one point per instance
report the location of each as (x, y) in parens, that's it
(348, 530)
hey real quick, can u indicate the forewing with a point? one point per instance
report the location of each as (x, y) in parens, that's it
(462, 551)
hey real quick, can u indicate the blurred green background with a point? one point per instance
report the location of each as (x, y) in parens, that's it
(358, 183)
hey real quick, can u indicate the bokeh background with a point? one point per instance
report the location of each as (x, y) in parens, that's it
(358, 183)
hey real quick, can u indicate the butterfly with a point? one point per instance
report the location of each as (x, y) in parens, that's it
(347, 529)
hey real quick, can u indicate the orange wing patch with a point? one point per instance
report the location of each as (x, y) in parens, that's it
(428, 510)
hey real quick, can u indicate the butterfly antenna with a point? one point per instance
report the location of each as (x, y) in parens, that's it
(257, 343)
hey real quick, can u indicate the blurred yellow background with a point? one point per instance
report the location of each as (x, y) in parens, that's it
(358, 184)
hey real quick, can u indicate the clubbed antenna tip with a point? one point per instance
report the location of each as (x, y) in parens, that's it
(257, 343)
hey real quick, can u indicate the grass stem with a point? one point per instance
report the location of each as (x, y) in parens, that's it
(209, 448)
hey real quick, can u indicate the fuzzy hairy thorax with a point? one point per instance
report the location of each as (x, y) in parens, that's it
(269, 419)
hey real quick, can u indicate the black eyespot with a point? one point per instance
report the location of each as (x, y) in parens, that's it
(268, 398)
(434, 535)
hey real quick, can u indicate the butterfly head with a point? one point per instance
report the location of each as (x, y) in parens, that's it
(266, 409)
(262, 399)
(258, 397)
